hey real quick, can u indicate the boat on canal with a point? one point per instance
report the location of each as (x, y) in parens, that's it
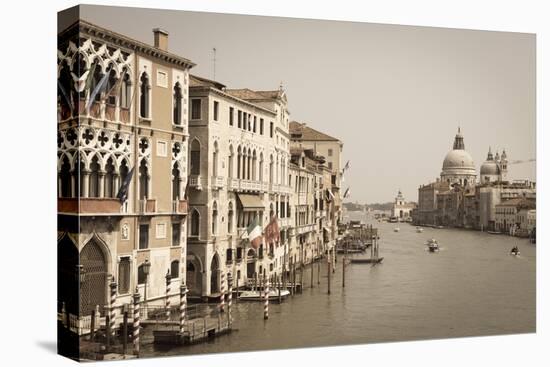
(433, 246)
(515, 251)
(419, 229)
(260, 295)
(396, 229)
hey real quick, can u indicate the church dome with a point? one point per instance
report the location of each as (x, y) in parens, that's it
(489, 168)
(458, 158)
(458, 165)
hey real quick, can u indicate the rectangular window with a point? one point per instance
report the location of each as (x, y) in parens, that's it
(216, 108)
(239, 118)
(161, 230)
(176, 233)
(254, 125)
(143, 236)
(244, 120)
(231, 112)
(329, 165)
(195, 109)
(261, 126)
(249, 119)
(330, 152)
(271, 129)
(124, 275)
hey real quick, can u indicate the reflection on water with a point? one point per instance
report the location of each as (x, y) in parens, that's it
(471, 287)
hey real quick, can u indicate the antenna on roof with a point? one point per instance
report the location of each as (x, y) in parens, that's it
(214, 63)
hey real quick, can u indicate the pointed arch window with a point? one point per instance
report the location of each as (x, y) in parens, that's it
(176, 179)
(230, 162)
(110, 190)
(178, 96)
(126, 91)
(230, 218)
(195, 223)
(215, 160)
(175, 269)
(65, 178)
(145, 91)
(94, 178)
(214, 218)
(143, 180)
(195, 158)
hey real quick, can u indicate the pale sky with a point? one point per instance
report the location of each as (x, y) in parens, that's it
(394, 95)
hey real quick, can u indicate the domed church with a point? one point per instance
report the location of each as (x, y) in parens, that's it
(458, 165)
(494, 169)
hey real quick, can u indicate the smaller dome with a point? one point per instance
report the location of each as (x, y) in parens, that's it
(489, 168)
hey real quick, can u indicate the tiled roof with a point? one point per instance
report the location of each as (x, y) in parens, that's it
(245, 93)
(197, 81)
(300, 131)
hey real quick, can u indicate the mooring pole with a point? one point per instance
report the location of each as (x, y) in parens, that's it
(319, 272)
(237, 294)
(92, 325)
(183, 307)
(222, 292)
(136, 323)
(229, 298)
(125, 331)
(329, 263)
(168, 281)
(266, 299)
(112, 316)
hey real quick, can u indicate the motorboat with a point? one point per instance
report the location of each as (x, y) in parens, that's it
(396, 229)
(419, 229)
(515, 251)
(257, 295)
(393, 219)
(433, 246)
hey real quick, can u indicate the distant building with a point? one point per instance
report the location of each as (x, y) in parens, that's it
(509, 214)
(400, 208)
(455, 199)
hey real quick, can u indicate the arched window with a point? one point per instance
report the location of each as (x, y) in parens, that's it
(110, 90)
(215, 160)
(143, 180)
(65, 177)
(145, 90)
(230, 218)
(78, 175)
(175, 182)
(94, 178)
(230, 162)
(177, 104)
(248, 163)
(261, 168)
(214, 218)
(126, 91)
(239, 162)
(271, 169)
(97, 76)
(110, 190)
(123, 171)
(195, 158)
(195, 223)
(254, 165)
(175, 269)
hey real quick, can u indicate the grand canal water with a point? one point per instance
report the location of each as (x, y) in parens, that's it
(471, 287)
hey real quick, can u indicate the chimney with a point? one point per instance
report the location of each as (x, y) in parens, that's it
(161, 39)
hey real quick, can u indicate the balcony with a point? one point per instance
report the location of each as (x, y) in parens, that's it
(195, 182)
(89, 205)
(237, 184)
(305, 228)
(147, 206)
(179, 206)
(217, 182)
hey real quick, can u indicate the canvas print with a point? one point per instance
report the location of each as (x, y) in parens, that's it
(232, 183)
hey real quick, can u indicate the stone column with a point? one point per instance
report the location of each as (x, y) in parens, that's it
(85, 177)
(101, 184)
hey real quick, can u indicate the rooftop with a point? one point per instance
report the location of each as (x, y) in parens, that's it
(300, 131)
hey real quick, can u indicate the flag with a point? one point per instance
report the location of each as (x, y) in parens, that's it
(346, 166)
(98, 88)
(254, 234)
(65, 95)
(272, 233)
(123, 191)
(346, 193)
(186, 192)
(330, 195)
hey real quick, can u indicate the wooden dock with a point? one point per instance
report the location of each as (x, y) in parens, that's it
(167, 331)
